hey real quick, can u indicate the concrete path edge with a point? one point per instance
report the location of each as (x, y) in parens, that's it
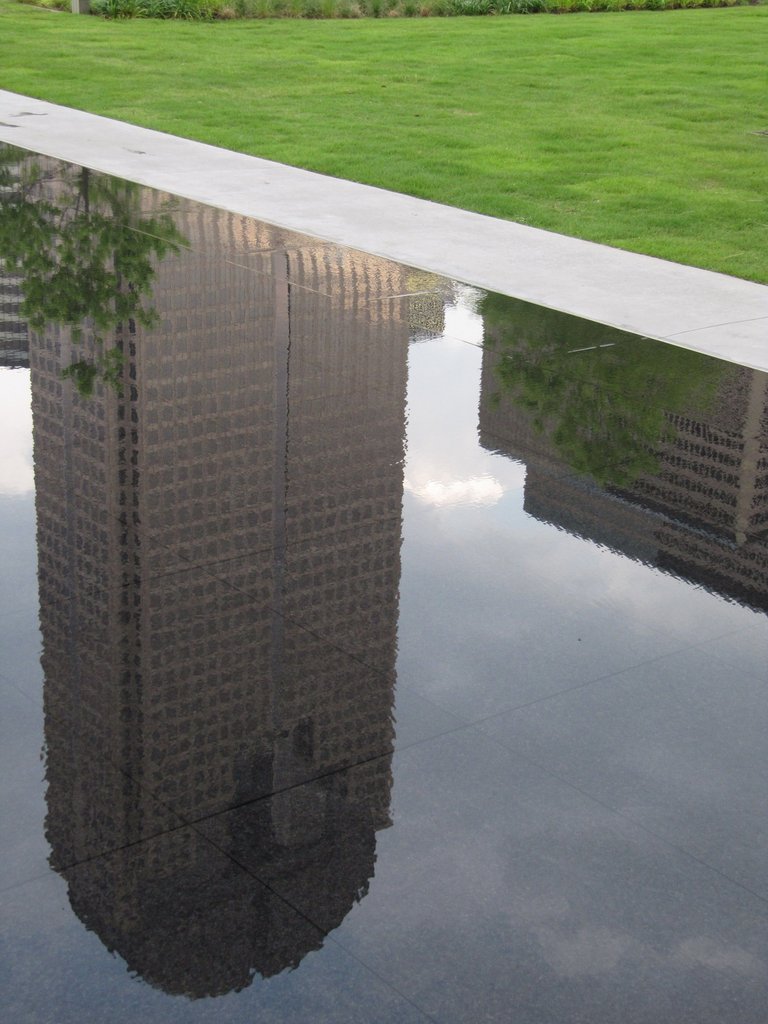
(697, 309)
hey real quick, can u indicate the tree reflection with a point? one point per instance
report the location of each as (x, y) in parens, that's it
(85, 250)
(603, 397)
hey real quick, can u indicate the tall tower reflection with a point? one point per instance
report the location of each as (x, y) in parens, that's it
(676, 466)
(248, 479)
(14, 335)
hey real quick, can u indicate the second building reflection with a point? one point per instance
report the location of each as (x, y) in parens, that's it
(651, 450)
(217, 547)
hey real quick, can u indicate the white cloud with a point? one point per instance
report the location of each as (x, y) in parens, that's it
(477, 490)
(720, 956)
(16, 471)
(461, 321)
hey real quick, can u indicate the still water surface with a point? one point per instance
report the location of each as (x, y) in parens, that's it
(374, 649)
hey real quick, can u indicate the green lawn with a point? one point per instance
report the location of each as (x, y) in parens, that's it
(634, 129)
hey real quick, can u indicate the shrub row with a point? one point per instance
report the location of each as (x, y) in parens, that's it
(209, 10)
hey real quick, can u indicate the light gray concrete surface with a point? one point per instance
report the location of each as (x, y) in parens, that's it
(697, 309)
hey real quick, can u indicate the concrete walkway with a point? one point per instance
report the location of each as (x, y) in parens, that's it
(712, 313)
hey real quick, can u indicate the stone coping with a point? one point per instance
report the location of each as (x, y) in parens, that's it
(711, 313)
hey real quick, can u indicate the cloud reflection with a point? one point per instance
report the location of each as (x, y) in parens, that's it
(476, 490)
(16, 473)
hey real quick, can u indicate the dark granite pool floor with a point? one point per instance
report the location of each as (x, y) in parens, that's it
(373, 649)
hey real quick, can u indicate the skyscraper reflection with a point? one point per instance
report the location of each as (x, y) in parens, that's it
(218, 548)
(654, 451)
(14, 336)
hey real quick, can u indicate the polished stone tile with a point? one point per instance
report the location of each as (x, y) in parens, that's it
(205, 695)
(343, 510)
(418, 719)
(501, 890)
(466, 644)
(343, 584)
(103, 576)
(336, 573)
(65, 798)
(610, 387)
(18, 557)
(23, 848)
(22, 647)
(337, 626)
(685, 610)
(315, 844)
(18, 541)
(478, 636)
(677, 745)
(744, 649)
(172, 931)
(305, 432)
(92, 806)
(218, 230)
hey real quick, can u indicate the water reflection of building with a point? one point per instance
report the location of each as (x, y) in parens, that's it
(701, 514)
(14, 335)
(260, 436)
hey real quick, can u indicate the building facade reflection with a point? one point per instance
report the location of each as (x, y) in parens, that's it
(682, 482)
(212, 543)
(14, 334)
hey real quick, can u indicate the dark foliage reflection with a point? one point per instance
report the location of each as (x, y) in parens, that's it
(85, 251)
(646, 448)
(603, 398)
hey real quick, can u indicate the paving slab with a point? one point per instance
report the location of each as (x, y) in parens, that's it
(712, 313)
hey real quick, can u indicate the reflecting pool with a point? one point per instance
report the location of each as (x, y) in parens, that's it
(374, 649)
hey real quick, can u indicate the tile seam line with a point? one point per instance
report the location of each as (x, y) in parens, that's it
(712, 327)
(591, 298)
(325, 932)
(37, 879)
(187, 822)
(630, 819)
